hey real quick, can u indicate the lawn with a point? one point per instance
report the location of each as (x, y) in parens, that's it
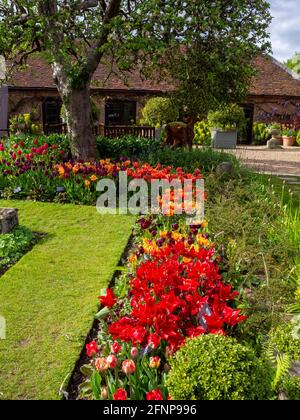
(49, 297)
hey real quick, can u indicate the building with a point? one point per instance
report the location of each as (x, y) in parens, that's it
(274, 94)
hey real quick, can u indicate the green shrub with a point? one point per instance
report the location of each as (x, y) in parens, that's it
(13, 245)
(204, 159)
(202, 133)
(298, 137)
(227, 117)
(298, 295)
(25, 124)
(213, 367)
(147, 150)
(159, 111)
(127, 146)
(290, 385)
(274, 126)
(285, 341)
(260, 133)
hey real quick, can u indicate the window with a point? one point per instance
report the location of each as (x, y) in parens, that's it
(120, 113)
(51, 111)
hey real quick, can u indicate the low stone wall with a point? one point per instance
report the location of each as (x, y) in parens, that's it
(8, 220)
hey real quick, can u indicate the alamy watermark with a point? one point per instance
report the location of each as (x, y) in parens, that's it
(154, 196)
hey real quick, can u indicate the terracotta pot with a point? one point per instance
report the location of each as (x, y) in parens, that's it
(288, 141)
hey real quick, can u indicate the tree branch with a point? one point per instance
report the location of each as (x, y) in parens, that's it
(94, 56)
(87, 4)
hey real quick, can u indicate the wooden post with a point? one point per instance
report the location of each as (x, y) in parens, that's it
(3, 110)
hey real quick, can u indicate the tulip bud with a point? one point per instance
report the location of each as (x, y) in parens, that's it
(128, 367)
(104, 393)
(112, 361)
(134, 352)
(101, 364)
(154, 362)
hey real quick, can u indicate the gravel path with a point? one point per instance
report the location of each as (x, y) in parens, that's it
(284, 163)
(278, 162)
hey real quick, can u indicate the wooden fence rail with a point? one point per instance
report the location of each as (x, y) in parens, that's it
(107, 131)
(55, 129)
(119, 131)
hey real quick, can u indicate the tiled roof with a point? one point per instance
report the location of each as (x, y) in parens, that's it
(39, 74)
(272, 79)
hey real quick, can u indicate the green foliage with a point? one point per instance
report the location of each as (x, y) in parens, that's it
(159, 111)
(298, 138)
(213, 367)
(147, 150)
(286, 340)
(214, 65)
(283, 350)
(290, 385)
(282, 363)
(227, 117)
(274, 126)
(204, 159)
(257, 248)
(24, 124)
(294, 63)
(203, 133)
(289, 133)
(13, 245)
(127, 146)
(260, 133)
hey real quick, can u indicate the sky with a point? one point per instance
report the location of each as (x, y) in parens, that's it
(285, 28)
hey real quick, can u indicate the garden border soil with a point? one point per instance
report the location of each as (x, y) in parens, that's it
(71, 391)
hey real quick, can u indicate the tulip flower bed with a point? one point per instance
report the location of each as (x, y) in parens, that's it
(43, 172)
(172, 290)
(174, 293)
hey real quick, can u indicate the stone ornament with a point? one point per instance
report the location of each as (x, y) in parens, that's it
(8, 220)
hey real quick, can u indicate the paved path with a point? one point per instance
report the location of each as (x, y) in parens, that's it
(284, 163)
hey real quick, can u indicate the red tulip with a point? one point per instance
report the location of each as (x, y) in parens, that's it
(154, 395)
(112, 361)
(92, 348)
(121, 394)
(109, 300)
(116, 347)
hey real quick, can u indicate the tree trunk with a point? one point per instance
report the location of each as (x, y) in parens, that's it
(77, 103)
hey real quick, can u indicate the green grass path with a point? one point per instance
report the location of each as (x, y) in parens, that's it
(49, 297)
